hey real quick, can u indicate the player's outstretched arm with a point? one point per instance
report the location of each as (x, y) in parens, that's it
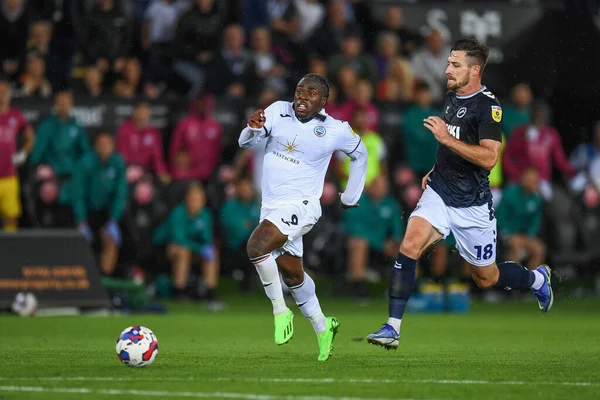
(485, 154)
(356, 178)
(255, 131)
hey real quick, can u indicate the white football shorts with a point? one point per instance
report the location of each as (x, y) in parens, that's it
(474, 228)
(293, 220)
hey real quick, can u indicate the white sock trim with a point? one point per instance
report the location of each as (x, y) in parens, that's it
(395, 323)
(539, 280)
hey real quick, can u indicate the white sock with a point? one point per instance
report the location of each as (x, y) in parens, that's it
(539, 280)
(266, 266)
(306, 299)
(395, 323)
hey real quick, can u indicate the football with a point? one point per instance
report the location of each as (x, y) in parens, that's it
(137, 346)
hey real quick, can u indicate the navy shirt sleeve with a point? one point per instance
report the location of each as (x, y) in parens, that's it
(490, 118)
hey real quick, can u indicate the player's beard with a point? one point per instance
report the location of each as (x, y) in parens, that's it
(455, 85)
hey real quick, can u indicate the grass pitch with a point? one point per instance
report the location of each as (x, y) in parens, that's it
(500, 351)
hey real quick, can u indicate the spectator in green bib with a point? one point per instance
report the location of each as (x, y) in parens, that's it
(519, 217)
(376, 228)
(419, 143)
(188, 236)
(99, 197)
(60, 141)
(239, 216)
(376, 150)
(518, 112)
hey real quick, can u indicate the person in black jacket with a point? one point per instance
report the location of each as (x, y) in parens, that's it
(14, 31)
(107, 37)
(233, 70)
(197, 38)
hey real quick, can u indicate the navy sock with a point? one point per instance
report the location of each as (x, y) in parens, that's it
(514, 276)
(402, 284)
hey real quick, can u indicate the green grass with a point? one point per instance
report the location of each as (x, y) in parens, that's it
(495, 352)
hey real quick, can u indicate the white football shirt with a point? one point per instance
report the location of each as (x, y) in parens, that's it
(297, 154)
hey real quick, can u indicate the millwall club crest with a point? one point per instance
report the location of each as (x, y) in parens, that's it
(461, 112)
(320, 131)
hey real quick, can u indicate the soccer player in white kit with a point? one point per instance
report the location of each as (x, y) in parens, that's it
(301, 139)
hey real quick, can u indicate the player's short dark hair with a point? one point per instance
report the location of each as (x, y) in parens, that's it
(477, 52)
(321, 81)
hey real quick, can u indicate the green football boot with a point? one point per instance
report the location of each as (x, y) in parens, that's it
(284, 327)
(326, 338)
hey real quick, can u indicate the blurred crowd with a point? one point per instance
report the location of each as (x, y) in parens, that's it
(155, 202)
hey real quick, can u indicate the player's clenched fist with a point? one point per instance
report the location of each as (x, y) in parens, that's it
(257, 119)
(439, 129)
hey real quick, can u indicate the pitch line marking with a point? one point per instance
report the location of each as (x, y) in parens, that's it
(164, 393)
(298, 380)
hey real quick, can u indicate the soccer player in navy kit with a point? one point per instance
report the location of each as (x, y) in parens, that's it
(457, 195)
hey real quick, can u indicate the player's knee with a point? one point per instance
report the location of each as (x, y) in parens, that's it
(484, 282)
(411, 248)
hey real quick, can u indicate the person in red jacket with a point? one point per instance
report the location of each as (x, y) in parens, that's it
(141, 144)
(195, 149)
(361, 98)
(539, 146)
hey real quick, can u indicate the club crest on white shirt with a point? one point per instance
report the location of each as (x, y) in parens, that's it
(320, 131)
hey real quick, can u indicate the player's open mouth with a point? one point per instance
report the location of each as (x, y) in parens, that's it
(302, 107)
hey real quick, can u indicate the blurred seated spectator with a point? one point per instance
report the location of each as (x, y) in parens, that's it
(317, 65)
(232, 71)
(327, 39)
(141, 144)
(394, 22)
(12, 123)
(399, 84)
(188, 235)
(196, 39)
(38, 45)
(14, 31)
(347, 80)
(537, 145)
(518, 112)
(386, 53)
(377, 165)
(33, 82)
(99, 197)
(106, 38)
(519, 217)
(66, 17)
(419, 144)
(61, 142)
(352, 56)
(158, 34)
(239, 216)
(587, 154)
(92, 85)
(195, 149)
(268, 66)
(310, 14)
(128, 84)
(374, 226)
(429, 64)
(362, 97)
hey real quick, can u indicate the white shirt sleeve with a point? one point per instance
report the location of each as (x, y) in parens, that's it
(350, 143)
(250, 137)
